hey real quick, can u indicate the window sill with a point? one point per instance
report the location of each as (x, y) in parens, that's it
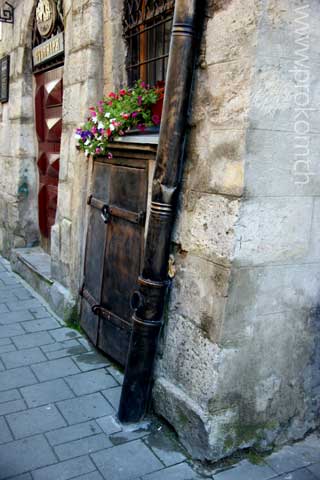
(151, 139)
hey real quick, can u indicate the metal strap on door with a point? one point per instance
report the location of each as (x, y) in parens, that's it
(99, 309)
(108, 211)
(114, 248)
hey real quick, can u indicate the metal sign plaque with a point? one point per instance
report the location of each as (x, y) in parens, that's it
(46, 15)
(4, 78)
(48, 49)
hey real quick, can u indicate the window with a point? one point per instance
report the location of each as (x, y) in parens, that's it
(147, 29)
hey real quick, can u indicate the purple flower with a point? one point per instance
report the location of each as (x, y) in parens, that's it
(86, 134)
(134, 114)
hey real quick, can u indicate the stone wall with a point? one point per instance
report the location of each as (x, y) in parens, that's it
(89, 69)
(18, 176)
(83, 85)
(239, 360)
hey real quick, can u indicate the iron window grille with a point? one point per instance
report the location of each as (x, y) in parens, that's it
(147, 31)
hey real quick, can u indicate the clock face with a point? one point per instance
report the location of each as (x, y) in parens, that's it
(46, 14)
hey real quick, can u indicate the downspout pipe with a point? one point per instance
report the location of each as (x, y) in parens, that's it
(148, 301)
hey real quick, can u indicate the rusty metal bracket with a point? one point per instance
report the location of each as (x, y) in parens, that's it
(108, 211)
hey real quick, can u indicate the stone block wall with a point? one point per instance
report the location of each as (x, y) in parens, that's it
(90, 70)
(83, 85)
(239, 360)
(18, 178)
(239, 355)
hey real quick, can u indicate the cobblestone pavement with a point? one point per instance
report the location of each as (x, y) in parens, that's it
(58, 400)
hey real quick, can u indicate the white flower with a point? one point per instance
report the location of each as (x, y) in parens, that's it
(77, 136)
(94, 119)
(100, 125)
(107, 114)
(87, 142)
(87, 153)
(111, 127)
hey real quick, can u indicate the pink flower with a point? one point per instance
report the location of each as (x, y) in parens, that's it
(109, 155)
(94, 130)
(98, 150)
(141, 127)
(156, 119)
(139, 100)
(122, 92)
(134, 114)
(112, 95)
(126, 116)
(143, 84)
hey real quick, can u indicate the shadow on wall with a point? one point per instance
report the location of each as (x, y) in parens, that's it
(216, 5)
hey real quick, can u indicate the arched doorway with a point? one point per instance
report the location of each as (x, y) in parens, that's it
(47, 61)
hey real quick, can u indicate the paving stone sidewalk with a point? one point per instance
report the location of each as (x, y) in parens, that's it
(58, 403)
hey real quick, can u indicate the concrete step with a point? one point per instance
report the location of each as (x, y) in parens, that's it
(34, 266)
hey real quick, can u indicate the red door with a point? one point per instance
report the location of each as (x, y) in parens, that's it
(48, 106)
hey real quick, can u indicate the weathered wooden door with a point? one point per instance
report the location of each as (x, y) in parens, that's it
(48, 107)
(114, 250)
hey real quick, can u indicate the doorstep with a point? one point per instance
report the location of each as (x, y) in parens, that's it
(34, 266)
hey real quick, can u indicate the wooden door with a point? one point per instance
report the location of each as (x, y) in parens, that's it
(114, 251)
(48, 108)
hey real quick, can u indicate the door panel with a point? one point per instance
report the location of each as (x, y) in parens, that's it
(48, 106)
(113, 252)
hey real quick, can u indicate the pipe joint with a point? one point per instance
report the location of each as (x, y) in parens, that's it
(136, 301)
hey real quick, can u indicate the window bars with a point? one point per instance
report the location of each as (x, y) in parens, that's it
(147, 30)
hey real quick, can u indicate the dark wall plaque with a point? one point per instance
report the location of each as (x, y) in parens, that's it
(4, 78)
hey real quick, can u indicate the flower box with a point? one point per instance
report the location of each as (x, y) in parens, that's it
(120, 113)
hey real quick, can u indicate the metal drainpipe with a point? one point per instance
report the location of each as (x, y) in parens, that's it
(148, 301)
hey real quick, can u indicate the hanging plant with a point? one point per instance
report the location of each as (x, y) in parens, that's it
(117, 114)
